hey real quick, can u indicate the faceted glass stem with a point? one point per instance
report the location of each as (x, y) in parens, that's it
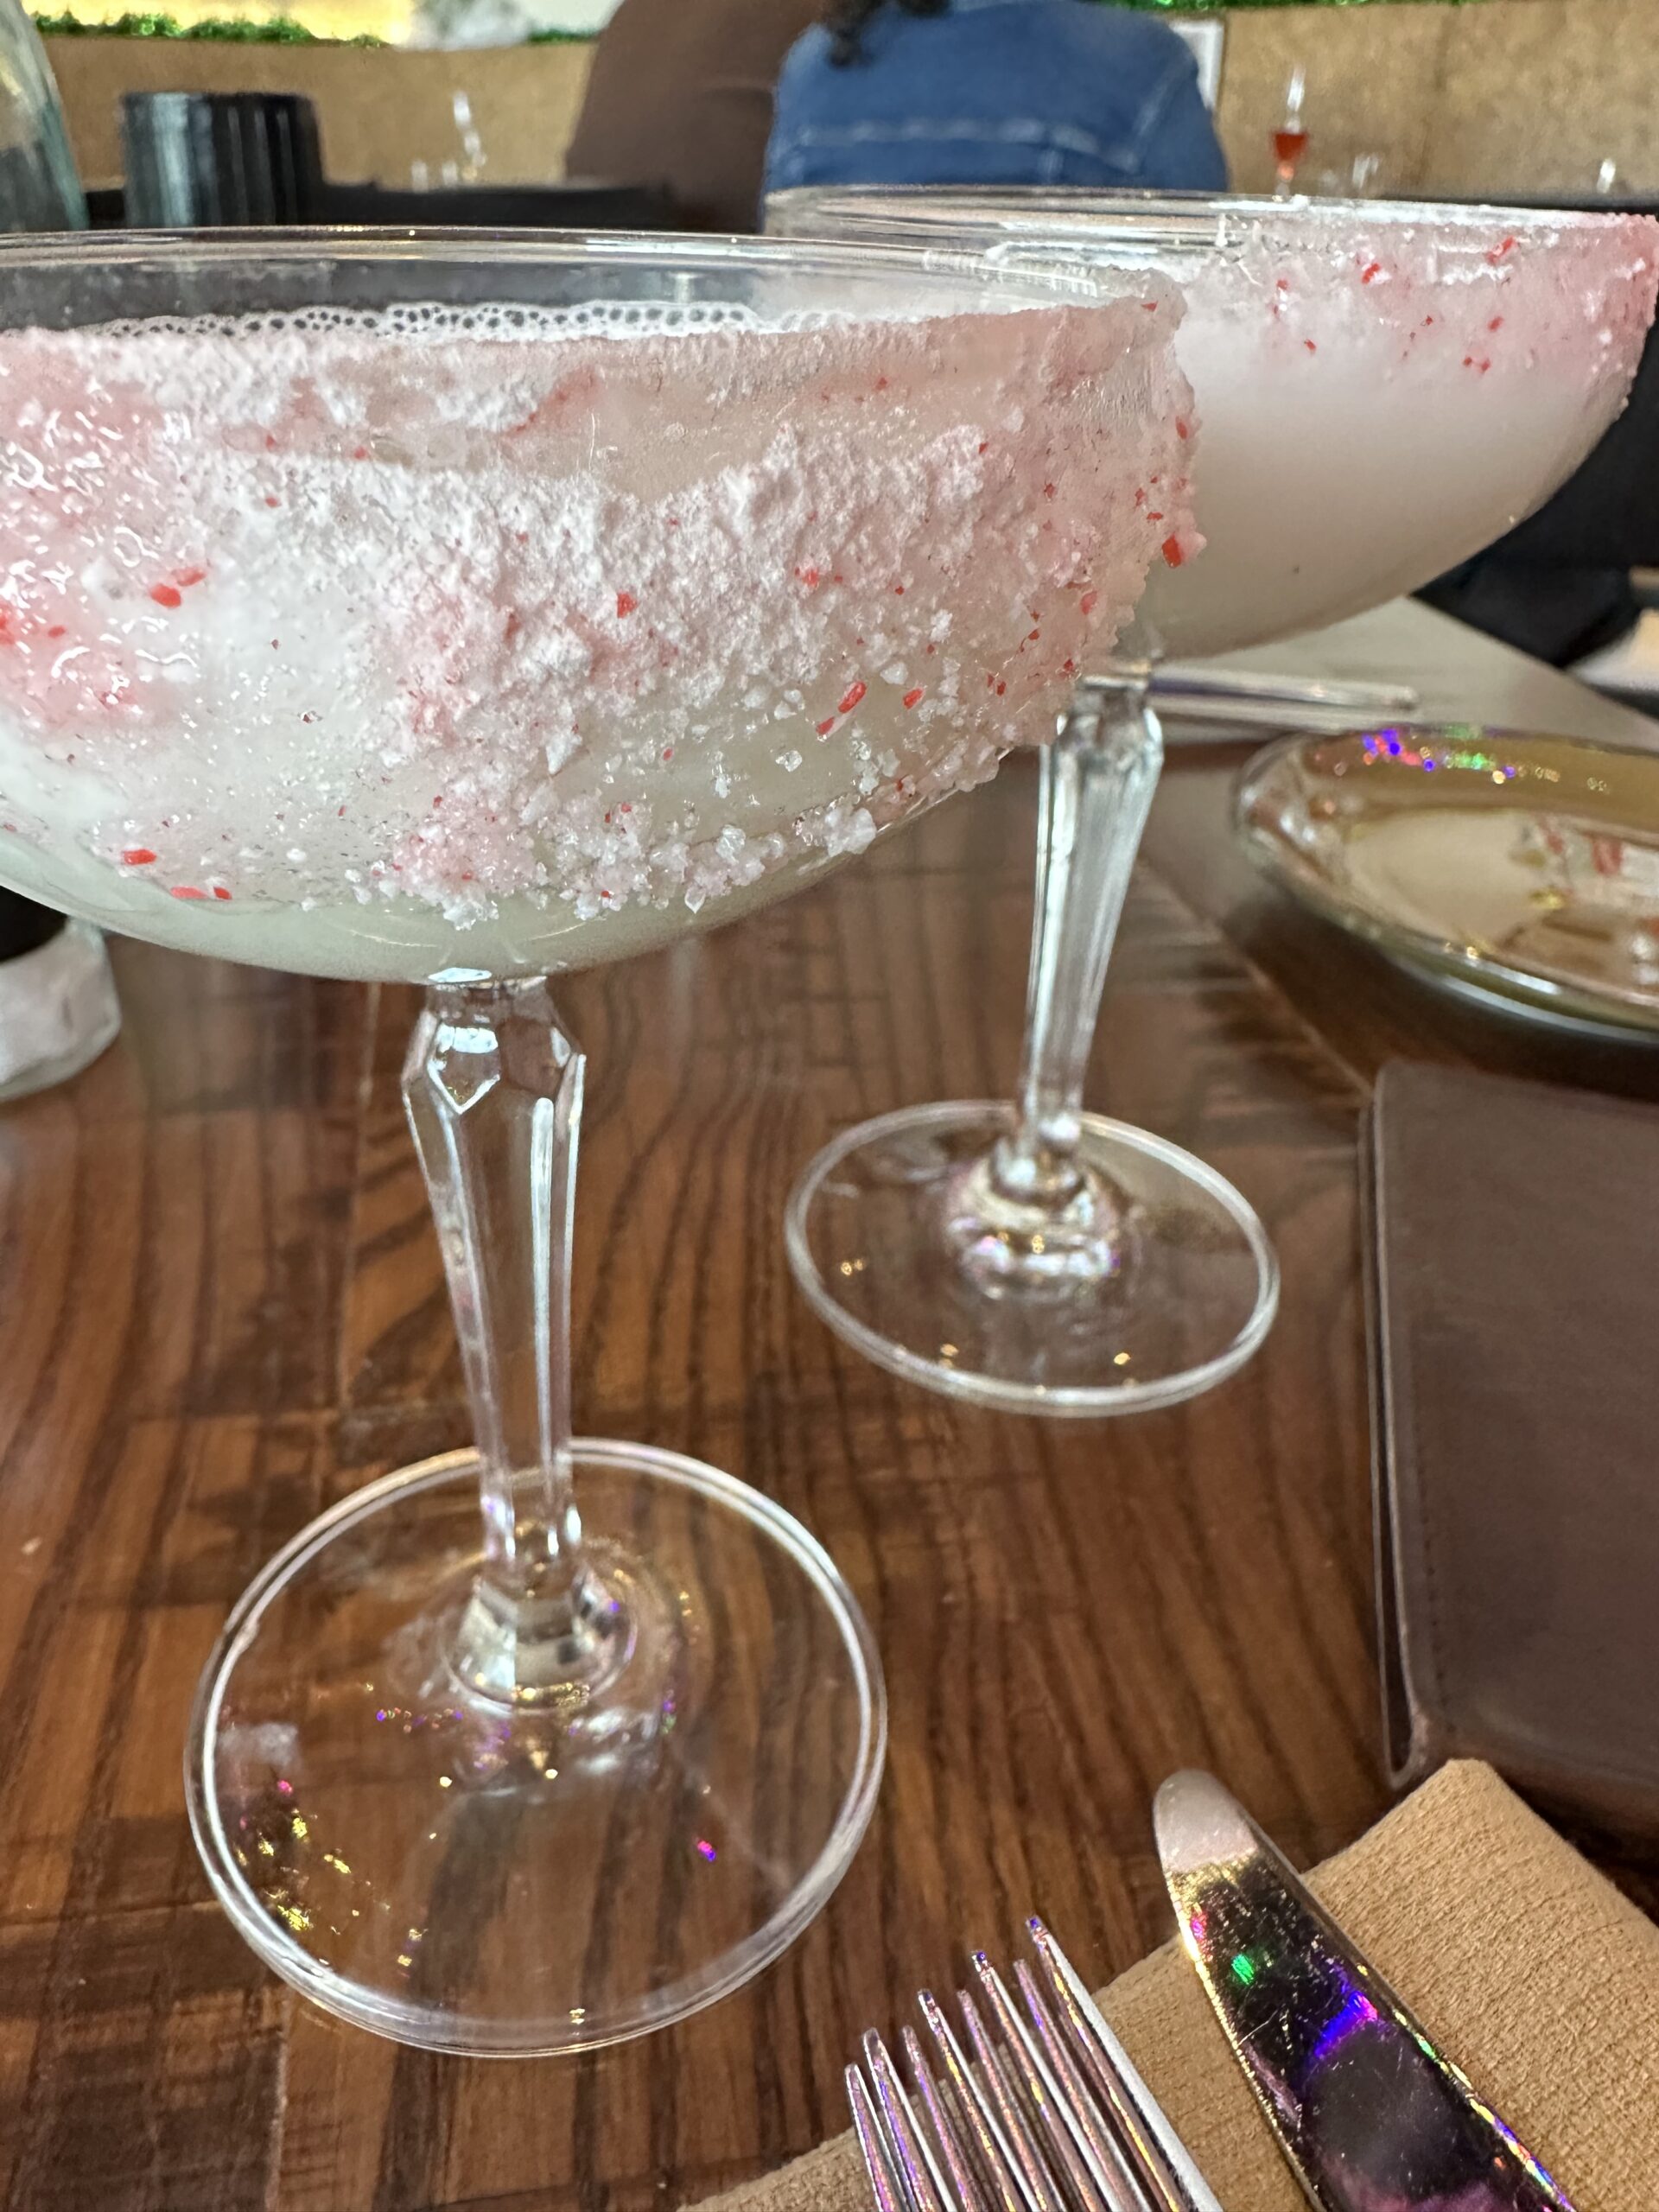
(493, 1086)
(576, 1777)
(1030, 1212)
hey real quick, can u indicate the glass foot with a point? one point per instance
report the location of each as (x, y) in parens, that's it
(488, 1878)
(1166, 1287)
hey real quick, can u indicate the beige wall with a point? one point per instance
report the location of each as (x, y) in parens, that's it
(379, 109)
(1495, 97)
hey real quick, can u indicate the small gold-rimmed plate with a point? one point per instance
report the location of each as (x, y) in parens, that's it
(1521, 868)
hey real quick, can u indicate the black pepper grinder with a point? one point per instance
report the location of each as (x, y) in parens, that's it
(213, 161)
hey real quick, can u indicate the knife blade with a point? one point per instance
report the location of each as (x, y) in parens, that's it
(1369, 2115)
(1182, 682)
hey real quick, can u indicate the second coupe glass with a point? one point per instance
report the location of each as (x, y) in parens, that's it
(1381, 390)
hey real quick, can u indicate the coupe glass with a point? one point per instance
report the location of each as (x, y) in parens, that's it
(458, 611)
(1381, 388)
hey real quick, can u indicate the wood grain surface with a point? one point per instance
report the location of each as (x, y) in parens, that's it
(220, 1306)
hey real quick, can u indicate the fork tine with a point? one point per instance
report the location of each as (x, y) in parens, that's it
(1048, 2114)
(1008, 2183)
(1040, 2181)
(1165, 2159)
(1099, 2190)
(885, 2188)
(1103, 2131)
(947, 2138)
(1105, 2144)
(925, 2185)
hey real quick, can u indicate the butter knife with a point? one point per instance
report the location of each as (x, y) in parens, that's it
(1190, 697)
(1371, 2116)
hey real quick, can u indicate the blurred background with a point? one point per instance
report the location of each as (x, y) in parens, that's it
(1497, 98)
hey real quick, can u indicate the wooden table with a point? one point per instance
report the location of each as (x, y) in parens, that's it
(222, 1307)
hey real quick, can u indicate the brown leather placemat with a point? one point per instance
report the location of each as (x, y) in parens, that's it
(1514, 1235)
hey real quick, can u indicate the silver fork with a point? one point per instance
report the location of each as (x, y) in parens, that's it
(1041, 2112)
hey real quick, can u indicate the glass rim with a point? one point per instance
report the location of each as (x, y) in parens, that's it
(687, 252)
(1195, 221)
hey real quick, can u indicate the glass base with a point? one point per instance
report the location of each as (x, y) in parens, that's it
(1177, 1295)
(476, 1877)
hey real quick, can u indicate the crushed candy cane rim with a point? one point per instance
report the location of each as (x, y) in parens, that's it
(1577, 289)
(523, 849)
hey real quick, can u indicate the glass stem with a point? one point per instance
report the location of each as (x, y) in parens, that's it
(493, 1086)
(1098, 777)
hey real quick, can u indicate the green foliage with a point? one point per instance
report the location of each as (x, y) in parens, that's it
(278, 30)
(282, 30)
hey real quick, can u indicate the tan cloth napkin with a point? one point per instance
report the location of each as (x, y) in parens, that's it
(1530, 1968)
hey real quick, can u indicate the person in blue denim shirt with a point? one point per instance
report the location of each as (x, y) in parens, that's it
(992, 91)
